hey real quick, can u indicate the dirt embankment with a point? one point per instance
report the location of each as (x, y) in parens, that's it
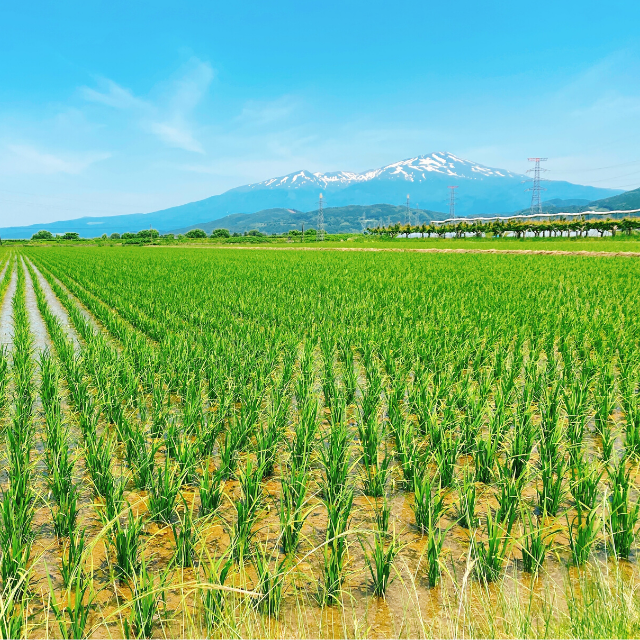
(550, 252)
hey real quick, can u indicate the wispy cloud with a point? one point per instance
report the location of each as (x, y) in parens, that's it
(262, 113)
(169, 117)
(112, 95)
(27, 159)
(176, 134)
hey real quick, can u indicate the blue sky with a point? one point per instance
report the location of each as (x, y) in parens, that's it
(120, 107)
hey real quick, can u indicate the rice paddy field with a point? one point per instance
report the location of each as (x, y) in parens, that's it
(229, 443)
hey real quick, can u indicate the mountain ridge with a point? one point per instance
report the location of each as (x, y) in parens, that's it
(426, 178)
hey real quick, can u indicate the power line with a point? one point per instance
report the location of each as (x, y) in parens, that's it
(611, 166)
(624, 175)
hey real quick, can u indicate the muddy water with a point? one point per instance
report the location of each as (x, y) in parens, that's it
(56, 306)
(6, 319)
(41, 339)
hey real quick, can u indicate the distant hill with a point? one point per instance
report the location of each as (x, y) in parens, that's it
(626, 200)
(336, 219)
(572, 202)
(425, 178)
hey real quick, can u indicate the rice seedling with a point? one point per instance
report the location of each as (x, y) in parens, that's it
(66, 515)
(268, 438)
(336, 547)
(125, 541)
(446, 457)
(575, 399)
(247, 509)
(163, 493)
(380, 555)
(186, 458)
(428, 505)
(72, 616)
(294, 486)
(98, 456)
(376, 472)
(632, 427)
(484, 458)
(212, 598)
(4, 375)
(471, 425)
(585, 480)
(210, 491)
(623, 516)
(185, 537)
(435, 542)
(521, 444)
(143, 612)
(349, 376)
(509, 497)
(72, 556)
(583, 531)
(270, 572)
(408, 451)
(552, 492)
(12, 617)
(466, 507)
(335, 456)
(490, 554)
(535, 543)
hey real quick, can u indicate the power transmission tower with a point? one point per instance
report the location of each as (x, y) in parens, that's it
(320, 230)
(363, 222)
(452, 202)
(407, 218)
(536, 205)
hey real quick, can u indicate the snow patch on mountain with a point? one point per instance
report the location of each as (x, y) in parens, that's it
(411, 170)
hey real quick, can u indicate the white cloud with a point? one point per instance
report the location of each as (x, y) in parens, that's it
(23, 158)
(113, 95)
(176, 134)
(169, 116)
(261, 113)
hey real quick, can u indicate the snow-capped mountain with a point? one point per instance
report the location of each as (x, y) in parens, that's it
(425, 179)
(419, 169)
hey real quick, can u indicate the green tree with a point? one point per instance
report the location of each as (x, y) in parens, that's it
(71, 235)
(148, 233)
(42, 235)
(196, 233)
(115, 236)
(220, 233)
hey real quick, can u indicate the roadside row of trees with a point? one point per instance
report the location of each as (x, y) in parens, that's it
(519, 228)
(148, 235)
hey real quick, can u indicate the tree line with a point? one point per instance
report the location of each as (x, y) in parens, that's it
(519, 228)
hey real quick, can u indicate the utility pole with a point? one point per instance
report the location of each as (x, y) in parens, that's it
(536, 205)
(302, 233)
(452, 202)
(320, 232)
